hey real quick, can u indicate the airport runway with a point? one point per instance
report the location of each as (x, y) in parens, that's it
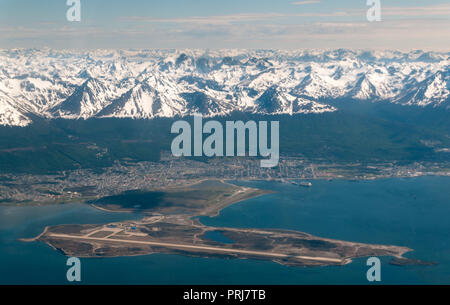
(203, 248)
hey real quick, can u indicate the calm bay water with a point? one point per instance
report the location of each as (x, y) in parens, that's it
(408, 212)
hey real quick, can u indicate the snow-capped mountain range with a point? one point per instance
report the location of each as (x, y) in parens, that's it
(167, 83)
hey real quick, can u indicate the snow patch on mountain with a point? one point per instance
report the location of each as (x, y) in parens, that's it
(145, 84)
(9, 116)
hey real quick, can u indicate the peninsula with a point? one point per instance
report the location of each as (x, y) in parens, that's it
(170, 225)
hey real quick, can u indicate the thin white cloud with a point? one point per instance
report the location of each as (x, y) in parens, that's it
(305, 2)
(401, 28)
(432, 10)
(422, 11)
(228, 19)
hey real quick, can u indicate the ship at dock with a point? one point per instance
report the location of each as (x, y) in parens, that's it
(303, 183)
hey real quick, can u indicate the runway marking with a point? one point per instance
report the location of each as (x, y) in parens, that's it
(215, 249)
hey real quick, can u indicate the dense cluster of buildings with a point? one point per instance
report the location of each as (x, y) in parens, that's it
(169, 171)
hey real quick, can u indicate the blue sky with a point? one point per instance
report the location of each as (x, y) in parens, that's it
(276, 24)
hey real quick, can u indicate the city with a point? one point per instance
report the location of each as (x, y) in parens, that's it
(87, 184)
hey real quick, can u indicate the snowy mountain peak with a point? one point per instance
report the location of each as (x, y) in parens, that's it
(163, 83)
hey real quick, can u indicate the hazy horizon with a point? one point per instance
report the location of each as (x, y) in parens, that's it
(212, 24)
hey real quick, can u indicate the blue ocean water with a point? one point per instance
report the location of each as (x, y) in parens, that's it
(409, 212)
(218, 237)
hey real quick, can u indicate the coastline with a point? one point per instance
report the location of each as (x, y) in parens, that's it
(33, 239)
(66, 243)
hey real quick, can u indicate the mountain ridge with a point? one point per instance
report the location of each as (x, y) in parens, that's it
(145, 84)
